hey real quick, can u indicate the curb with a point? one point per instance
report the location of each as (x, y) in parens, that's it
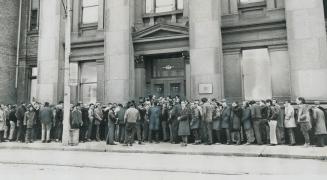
(232, 154)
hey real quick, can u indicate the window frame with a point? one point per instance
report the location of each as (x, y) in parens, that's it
(30, 17)
(251, 4)
(81, 83)
(81, 14)
(154, 8)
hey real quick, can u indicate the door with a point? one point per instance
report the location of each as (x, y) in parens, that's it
(168, 87)
(256, 74)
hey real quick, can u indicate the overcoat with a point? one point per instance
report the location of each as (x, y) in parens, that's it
(46, 115)
(184, 122)
(246, 118)
(196, 118)
(289, 117)
(319, 122)
(216, 119)
(236, 116)
(29, 119)
(225, 118)
(154, 118)
(2, 120)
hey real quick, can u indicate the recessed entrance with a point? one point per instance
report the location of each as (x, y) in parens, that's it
(165, 75)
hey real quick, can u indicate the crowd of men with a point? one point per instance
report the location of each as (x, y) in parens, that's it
(170, 120)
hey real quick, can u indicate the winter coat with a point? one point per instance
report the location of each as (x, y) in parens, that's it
(236, 115)
(12, 116)
(225, 118)
(184, 122)
(76, 118)
(256, 112)
(2, 120)
(154, 118)
(216, 124)
(20, 113)
(246, 118)
(46, 115)
(289, 117)
(98, 116)
(29, 119)
(195, 118)
(207, 112)
(319, 122)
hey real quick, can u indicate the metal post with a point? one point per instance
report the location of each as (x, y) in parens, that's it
(66, 122)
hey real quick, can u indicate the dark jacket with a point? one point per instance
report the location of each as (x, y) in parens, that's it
(121, 115)
(154, 118)
(59, 116)
(225, 118)
(207, 112)
(12, 116)
(236, 116)
(319, 122)
(216, 125)
(246, 118)
(29, 119)
(195, 118)
(20, 113)
(85, 116)
(76, 119)
(46, 115)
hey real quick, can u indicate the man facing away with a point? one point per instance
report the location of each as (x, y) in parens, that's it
(46, 116)
(131, 116)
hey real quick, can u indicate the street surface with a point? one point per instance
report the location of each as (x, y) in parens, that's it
(43, 164)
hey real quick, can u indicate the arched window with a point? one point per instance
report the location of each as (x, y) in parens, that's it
(90, 11)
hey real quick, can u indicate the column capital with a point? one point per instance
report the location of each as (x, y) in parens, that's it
(139, 61)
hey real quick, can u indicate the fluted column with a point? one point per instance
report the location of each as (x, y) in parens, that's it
(206, 48)
(118, 61)
(9, 11)
(306, 33)
(49, 51)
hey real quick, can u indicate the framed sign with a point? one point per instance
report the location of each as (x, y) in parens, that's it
(205, 88)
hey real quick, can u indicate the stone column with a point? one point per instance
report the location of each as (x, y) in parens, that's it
(9, 11)
(206, 47)
(139, 77)
(49, 51)
(306, 34)
(118, 50)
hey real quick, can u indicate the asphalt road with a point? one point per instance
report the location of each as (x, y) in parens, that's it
(31, 164)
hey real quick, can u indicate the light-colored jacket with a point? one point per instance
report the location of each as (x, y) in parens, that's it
(289, 117)
(131, 115)
(2, 120)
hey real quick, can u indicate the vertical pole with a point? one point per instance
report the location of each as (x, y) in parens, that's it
(66, 123)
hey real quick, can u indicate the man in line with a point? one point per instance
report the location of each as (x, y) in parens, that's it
(46, 116)
(131, 117)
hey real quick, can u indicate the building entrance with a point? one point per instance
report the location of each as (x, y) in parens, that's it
(165, 76)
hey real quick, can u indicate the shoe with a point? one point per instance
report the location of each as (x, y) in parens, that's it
(43, 141)
(306, 145)
(130, 144)
(140, 143)
(111, 144)
(207, 144)
(48, 141)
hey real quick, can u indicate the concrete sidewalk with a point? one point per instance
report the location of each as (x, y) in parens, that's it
(284, 151)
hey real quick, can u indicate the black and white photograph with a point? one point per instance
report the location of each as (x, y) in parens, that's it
(163, 89)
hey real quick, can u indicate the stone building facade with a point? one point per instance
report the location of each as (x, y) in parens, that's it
(126, 49)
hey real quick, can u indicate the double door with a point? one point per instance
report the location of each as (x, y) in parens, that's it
(168, 87)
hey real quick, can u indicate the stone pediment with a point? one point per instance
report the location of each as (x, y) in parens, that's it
(161, 32)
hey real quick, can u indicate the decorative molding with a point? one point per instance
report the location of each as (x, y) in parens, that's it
(139, 61)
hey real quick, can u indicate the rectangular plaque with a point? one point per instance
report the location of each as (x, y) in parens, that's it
(205, 88)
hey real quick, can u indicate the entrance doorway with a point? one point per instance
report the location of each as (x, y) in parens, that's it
(165, 76)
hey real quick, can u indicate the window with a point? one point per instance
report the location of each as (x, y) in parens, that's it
(34, 15)
(90, 11)
(88, 82)
(33, 85)
(250, 1)
(325, 7)
(256, 74)
(159, 6)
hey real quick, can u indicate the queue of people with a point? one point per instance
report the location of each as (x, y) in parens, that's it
(156, 120)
